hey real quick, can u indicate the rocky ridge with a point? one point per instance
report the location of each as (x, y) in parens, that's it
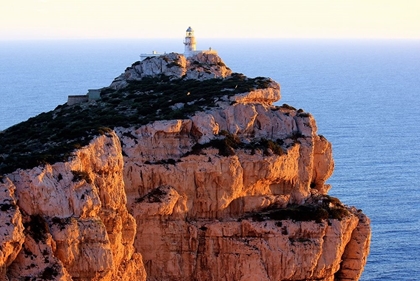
(233, 190)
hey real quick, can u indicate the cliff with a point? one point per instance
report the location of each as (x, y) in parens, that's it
(182, 171)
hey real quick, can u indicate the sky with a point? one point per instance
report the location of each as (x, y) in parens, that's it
(135, 19)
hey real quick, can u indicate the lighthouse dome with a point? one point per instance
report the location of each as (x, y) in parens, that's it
(190, 29)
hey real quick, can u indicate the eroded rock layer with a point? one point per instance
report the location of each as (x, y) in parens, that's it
(235, 191)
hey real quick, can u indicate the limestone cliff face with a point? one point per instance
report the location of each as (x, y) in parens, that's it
(233, 192)
(75, 220)
(194, 204)
(12, 236)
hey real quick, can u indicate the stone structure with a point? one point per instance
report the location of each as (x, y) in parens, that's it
(93, 94)
(75, 99)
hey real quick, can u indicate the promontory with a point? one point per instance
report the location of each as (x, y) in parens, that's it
(179, 170)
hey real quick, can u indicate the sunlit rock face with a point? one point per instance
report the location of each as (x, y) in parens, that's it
(195, 203)
(77, 226)
(201, 66)
(236, 191)
(11, 226)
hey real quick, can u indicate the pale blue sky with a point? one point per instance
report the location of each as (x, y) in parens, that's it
(69, 19)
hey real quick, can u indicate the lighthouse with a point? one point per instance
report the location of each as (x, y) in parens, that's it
(190, 47)
(189, 42)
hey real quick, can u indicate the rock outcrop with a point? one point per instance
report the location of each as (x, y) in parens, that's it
(200, 67)
(236, 191)
(11, 225)
(77, 226)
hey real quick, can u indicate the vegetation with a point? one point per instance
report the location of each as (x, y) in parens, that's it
(153, 196)
(61, 223)
(80, 175)
(328, 208)
(37, 227)
(228, 143)
(50, 272)
(52, 136)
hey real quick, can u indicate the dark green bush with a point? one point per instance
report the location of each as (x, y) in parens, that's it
(81, 175)
(325, 208)
(300, 213)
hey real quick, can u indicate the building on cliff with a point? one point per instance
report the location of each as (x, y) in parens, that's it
(93, 94)
(191, 45)
(153, 54)
(190, 49)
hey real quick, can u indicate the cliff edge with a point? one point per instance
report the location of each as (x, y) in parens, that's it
(183, 170)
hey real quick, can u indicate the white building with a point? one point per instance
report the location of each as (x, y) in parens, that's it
(191, 44)
(153, 54)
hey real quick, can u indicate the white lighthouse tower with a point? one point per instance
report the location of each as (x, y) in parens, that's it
(189, 42)
(190, 47)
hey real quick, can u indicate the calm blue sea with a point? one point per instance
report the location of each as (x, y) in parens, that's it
(365, 96)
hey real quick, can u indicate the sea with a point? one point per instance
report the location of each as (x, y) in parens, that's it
(364, 95)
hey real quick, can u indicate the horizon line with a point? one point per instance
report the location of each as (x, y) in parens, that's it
(216, 38)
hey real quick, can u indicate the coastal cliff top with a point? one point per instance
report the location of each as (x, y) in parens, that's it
(158, 88)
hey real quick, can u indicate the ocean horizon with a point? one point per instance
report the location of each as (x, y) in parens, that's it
(364, 95)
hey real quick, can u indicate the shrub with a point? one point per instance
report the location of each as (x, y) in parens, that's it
(104, 130)
(325, 208)
(286, 106)
(81, 175)
(153, 196)
(300, 213)
(50, 272)
(37, 228)
(274, 146)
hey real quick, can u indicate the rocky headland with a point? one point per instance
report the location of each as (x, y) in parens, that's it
(183, 170)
